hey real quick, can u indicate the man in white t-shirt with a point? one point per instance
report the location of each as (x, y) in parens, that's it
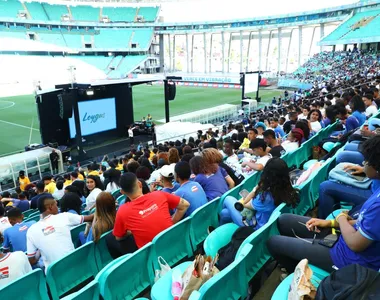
(232, 159)
(130, 135)
(13, 266)
(4, 223)
(258, 147)
(51, 235)
(371, 108)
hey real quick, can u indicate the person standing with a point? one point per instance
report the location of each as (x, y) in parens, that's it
(23, 180)
(54, 158)
(130, 134)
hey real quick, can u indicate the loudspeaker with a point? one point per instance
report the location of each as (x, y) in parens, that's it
(65, 102)
(171, 90)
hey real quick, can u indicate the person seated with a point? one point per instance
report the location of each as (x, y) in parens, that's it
(277, 129)
(22, 202)
(104, 218)
(144, 216)
(251, 135)
(191, 191)
(358, 109)
(167, 177)
(293, 140)
(59, 191)
(40, 188)
(260, 127)
(49, 184)
(274, 148)
(350, 122)
(315, 118)
(371, 108)
(13, 266)
(231, 158)
(258, 147)
(71, 201)
(214, 180)
(93, 169)
(289, 125)
(23, 180)
(94, 187)
(273, 189)
(359, 240)
(4, 222)
(50, 236)
(15, 236)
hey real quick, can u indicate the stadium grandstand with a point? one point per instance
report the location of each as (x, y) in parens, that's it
(170, 153)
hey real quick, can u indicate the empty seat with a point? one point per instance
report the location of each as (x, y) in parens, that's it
(89, 292)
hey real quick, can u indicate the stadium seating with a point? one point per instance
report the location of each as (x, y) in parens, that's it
(36, 11)
(55, 12)
(142, 38)
(10, 9)
(100, 62)
(85, 13)
(120, 14)
(89, 292)
(52, 38)
(102, 256)
(149, 13)
(12, 34)
(113, 38)
(75, 233)
(126, 65)
(218, 238)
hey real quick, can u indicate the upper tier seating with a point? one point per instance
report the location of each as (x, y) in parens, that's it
(10, 9)
(36, 11)
(149, 13)
(118, 38)
(117, 14)
(55, 12)
(142, 38)
(85, 13)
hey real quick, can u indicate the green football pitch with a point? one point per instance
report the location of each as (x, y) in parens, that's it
(19, 121)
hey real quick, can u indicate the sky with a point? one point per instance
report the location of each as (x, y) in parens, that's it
(212, 10)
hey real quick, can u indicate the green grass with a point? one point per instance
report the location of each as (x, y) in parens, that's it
(16, 120)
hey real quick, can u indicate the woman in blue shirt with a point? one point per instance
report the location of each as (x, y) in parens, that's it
(359, 242)
(358, 109)
(273, 189)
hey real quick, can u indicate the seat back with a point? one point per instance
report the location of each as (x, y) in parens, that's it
(306, 201)
(251, 181)
(89, 292)
(230, 283)
(257, 259)
(71, 270)
(201, 219)
(218, 238)
(74, 231)
(234, 192)
(33, 217)
(168, 244)
(102, 255)
(128, 276)
(121, 199)
(320, 176)
(28, 212)
(31, 286)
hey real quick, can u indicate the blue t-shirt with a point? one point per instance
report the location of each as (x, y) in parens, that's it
(325, 122)
(368, 224)
(34, 200)
(193, 193)
(214, 185)
(279, 131)
(171, 190)
(360, 117)
(15, 236)
(351, 123)
(23, 205)
(263, 204)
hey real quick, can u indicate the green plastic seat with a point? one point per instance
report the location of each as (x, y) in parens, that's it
(218, 238)
(334, 214)
(28, 212)
(250, 182)
(168, 244)
(102, 255)
(281, 292)
(234, 192)
(35, 218)
(321, 175)
(35, 213)
(75, 234)
(116, 193)
(85, 213)
(30, 286)
(306, 201)
(121, 199)
(230, 283)
(260, 256)
(201, 219)
(128, 276)
(71, 270)
(89, 292)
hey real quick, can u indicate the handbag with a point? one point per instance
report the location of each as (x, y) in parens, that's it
(164, 268)
(339, 175)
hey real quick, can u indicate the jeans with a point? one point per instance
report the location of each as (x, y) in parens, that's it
(331, 193)
(288, 250)
(350, 156)
(229, 213)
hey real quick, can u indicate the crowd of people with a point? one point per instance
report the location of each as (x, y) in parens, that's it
(148, 190)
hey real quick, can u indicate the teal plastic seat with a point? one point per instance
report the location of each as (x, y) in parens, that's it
(250, 182)
(127, 276)
(71, 270)
(218, 238)
(309, 163)
(30, 286)
(34, 217)
(116, 193)
(34, 214)
(281, 292)
(234, 192)
(102, 255)
(321, 175)
(121, 199)
(89, 292)
(201, 219)
(28, 212)
(230, 283)
(85, 213)
(335, 213)
(173, 244)
(75, 233)
(161, 290)
(306, 202)
(260, 256)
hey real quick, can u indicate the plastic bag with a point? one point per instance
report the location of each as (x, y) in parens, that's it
(164, 268)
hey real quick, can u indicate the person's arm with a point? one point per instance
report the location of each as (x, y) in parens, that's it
(354, 239)
(31, 249)
(6, 242)
(180, 210)
(248, 150)
(253, 166)
(230, 182)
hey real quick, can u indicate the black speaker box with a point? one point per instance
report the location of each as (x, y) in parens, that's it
(65, 102)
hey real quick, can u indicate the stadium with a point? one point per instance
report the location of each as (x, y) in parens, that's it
(176, 149)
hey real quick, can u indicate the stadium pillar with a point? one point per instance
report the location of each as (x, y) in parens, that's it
(187, 53)
(229, 53)
(287, 53)
(173, 53)
(279, 50)
(267, 55)
(170, 52)
(299, 45)
(260, 47)
(322, 34)
(249, 47)
(241, 50)
(205, 51)
(210, 55)
(311, 42)
(192, 53)
(222, 33)
(162, 52)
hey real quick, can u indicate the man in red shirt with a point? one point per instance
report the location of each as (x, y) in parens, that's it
(147, 215)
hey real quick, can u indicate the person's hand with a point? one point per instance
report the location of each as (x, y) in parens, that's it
(243, 164)
(367, 133)
(314, 223)
(354, 170)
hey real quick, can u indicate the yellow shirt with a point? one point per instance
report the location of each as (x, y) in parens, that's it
(119, 167)
(245, 144)
(50, 188)
(68, 182)
(80, 176)
(23, 182)
(95, 173)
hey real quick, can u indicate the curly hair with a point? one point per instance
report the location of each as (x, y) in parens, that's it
(371, 152)
(173, 156)
(275, 180)
(212, 156)
(70, 201)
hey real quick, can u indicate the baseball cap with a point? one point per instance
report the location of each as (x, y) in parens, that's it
(167, 171)
(261, 124)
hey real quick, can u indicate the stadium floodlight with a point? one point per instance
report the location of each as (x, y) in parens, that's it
(90, 92)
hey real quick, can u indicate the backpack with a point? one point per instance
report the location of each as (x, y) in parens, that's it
(352, 282)
(228, 252)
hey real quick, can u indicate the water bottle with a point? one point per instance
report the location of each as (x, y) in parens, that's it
(176, 284)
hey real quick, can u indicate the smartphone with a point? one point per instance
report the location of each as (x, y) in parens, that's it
(358, 177)
(329, 241)
(243, 193)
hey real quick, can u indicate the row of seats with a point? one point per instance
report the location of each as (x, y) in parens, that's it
(126, 39)
(49, 12)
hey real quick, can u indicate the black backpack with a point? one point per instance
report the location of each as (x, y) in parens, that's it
(352, 282)
(228, 252)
